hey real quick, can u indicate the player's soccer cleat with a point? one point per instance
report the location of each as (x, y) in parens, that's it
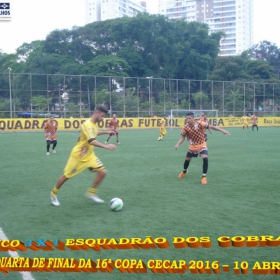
(54, 151)
(48, 153)
(105, 142)
(95, 198)
(119, 143)
(159, 139)
(204, 181)
(54, 200)
(182, 174)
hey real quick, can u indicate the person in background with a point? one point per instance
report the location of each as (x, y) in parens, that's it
(51, 134)
(114, 127)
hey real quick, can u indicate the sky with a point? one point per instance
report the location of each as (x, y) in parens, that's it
(35, 19)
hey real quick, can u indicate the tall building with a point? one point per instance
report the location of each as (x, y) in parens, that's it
(233, 17)
(99, 10)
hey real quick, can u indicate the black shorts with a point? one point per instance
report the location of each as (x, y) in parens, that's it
(49, 142)
(191, 155)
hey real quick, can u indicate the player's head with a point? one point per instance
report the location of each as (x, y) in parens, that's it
(114, 116)
(99, 113)
(164, 116)
(51, 119)
(190, 117)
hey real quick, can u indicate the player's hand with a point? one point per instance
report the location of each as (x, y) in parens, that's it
(176, 146)
(225, 132)
(110, 147)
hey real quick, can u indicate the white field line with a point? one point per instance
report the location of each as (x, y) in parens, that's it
(14, 254)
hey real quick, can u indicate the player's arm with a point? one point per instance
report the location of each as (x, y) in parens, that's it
(106, 132)
(95, 143)
(219, 129)
(182, 139)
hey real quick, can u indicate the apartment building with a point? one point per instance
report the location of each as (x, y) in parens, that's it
(99, 10)
(233, 17)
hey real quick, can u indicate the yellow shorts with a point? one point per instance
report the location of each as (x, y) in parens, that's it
(163, 131)
(74, 167)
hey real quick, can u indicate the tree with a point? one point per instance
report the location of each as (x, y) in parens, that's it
(268, 52)
(41, 101)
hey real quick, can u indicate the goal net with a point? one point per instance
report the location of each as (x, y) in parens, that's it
(181, 113)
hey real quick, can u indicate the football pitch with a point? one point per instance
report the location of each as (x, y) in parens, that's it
(241, 199)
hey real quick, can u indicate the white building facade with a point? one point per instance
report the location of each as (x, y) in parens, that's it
(99, 10)
(233, 17)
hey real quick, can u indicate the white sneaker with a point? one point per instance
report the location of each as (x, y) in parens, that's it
(95, 198)
(105, 142)
(54, 151)
(48, 153)
(119, 143)
(54, 200)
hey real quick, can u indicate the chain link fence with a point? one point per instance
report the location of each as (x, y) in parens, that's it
(41, 95)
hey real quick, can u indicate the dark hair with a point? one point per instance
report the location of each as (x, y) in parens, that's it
(190, 114)
(101, 108)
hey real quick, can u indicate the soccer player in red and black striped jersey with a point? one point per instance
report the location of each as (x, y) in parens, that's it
(194, 131)
(114, 127)
(51, 134)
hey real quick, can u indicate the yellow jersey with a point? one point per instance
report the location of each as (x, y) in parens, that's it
(244, 119)
(83, 150)
(162, 123)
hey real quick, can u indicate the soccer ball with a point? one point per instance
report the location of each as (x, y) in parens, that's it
(116, 204)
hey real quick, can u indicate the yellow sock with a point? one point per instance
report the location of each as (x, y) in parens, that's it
(54, 191)
(92, 191)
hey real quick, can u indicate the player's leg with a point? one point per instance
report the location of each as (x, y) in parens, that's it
(160, 135)
(163, 133)
(95, 165)
(48, 146)
(92, 191)
(204, 156)
(72, 168)
(108, 138)
(62, 179)
(186, 164)
(54, 145)
(117, 137)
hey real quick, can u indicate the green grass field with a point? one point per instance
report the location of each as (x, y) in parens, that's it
(241, 199)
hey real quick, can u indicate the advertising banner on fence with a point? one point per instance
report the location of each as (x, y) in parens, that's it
(124, 123)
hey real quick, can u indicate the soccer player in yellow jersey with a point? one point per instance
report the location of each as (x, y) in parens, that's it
(163, 131)
(82, 156)
(244, 121)
(194, 131)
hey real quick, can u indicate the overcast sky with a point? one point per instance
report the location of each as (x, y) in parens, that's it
(35, 19)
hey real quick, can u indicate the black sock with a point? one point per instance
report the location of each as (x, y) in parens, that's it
(48, 148)
(54, 145)
(205, 166)
(186, 165)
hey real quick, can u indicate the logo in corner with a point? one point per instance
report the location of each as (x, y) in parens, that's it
(5, 11)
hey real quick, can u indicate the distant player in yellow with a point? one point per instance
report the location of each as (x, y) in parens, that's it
(163, 131)
(82, 156)
(244, 121)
